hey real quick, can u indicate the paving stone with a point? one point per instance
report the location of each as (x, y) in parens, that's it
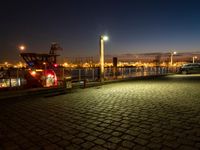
(107, 131)
(77, 140)
(116, 133)
(87, 145)
(97, 147)
(133, 133)
(82, 135)
(63, 143)
(168, 137)
(54, 139)
(105, 136)
(156, 134)
(144, 136)
(122, 148)
(185, 141)
(116, 123)
(127, 137)
(10, 145)
(145, 131)
(125, 125)
(73, 147)
(184, 147)
(154, 145)
(139, 147)
(90, 138)
(171, 144)
(95, 133)
(26, 145)
(127, 144)
(197, 145)
(100, 128)
(166, 148)
(114, 140)
(156, 140)
(34, 148)
(141, 141)
(99, 141)
(110, 145)
(104, 125)
(52, 146)
(120, 129)
(112, 127)
(68, 137)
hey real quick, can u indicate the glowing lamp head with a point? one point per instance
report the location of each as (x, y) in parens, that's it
(22, 47)
(105, 38)
(174, 53)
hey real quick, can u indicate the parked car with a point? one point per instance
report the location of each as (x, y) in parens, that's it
(190, 68)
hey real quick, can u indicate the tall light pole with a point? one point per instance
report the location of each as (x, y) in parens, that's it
(193, 59)
(171, 57)
(21, 49)
(45, 75)
(102, 39)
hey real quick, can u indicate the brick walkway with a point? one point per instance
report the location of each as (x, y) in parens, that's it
(147, 114)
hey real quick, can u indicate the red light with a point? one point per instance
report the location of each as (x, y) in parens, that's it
(55, 65)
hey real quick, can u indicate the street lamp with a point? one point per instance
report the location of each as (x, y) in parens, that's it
(45, 68)
(22, 47)
(102, 39)
(193, 59)
(6, 63)
(172, 54)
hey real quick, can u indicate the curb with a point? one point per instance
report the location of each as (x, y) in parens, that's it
(44, 92)
(121, 80)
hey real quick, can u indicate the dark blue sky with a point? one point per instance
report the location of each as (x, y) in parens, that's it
(132, 25)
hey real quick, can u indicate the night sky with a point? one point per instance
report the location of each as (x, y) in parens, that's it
(133, 26)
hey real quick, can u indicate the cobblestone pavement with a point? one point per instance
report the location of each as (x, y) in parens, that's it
(162, 113)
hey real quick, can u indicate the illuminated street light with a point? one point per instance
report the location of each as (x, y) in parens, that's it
(193, 59)
(172, 54)
(6, 64)
(102, 39)
(45, 74)
(105, 38)
(22, 47)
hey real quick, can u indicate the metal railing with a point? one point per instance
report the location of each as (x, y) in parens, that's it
(92, 74)
(16, 77)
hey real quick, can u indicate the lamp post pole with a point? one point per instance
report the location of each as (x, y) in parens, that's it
(21, 49)
(45, 78)
(101, 59)
(171, 57)
(102, 39)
